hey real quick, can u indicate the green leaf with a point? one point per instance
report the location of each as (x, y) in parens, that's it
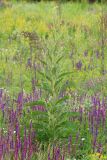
(61, 100)
(43, 62)
(46, 87)
(35, 103)
(57, 82)
(67, 115)
(45, 76)
(54, 69)
(50, 57)
(61, 124)
(73, 114)
(59, 59)
(38, 113)
(41, 126)
(64, 74)
(67, 85)
(70, 127)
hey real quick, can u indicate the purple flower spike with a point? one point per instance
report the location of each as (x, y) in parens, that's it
(69, 144)
(49, 156)
(17, 129)
(85, 53)
(79, 65)
(57, 153)
(97, 54)
(29, 63)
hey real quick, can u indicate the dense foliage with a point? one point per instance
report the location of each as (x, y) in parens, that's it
(53, 83)
(90, 1)
(66, 0)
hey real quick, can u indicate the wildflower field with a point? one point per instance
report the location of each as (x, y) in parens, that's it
(53, 81)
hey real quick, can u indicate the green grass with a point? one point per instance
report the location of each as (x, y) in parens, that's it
(55, 38)
(76, 28)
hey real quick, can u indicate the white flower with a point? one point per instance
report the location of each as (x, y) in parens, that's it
(83, 139)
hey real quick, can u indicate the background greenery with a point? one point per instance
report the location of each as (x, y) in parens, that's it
(55, 53)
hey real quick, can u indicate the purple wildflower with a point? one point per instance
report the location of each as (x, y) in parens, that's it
(85, 53)
(79, 65)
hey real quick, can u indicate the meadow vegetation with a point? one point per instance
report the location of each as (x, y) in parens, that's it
(53, 81)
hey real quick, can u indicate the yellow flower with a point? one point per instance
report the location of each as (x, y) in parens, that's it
(97, 156)
(42, 27)
(20, 23)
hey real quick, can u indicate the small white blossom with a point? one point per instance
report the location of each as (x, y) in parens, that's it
(83, 139)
